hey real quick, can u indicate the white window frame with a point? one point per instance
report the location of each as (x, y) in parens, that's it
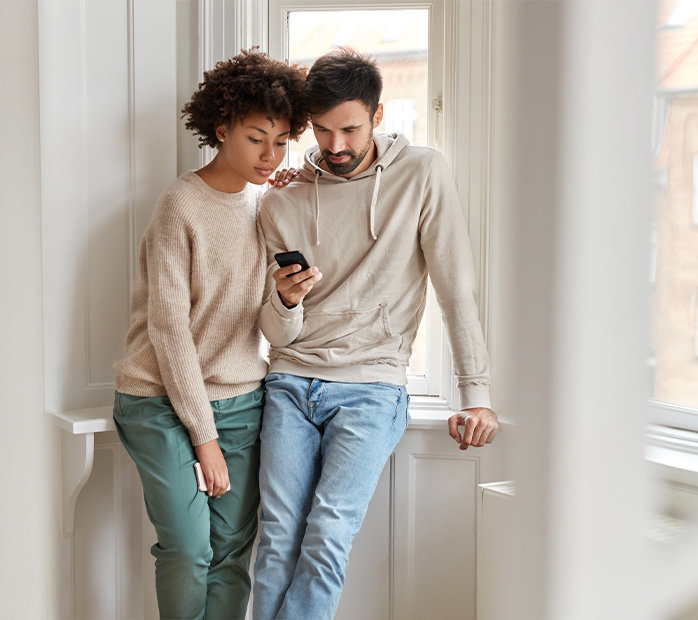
(694, 184)
(666, 416)
(458, 80)
(674, 416)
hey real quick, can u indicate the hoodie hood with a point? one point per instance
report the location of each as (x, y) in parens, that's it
(388, 147)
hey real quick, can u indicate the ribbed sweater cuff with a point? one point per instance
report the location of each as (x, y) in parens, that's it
(473, 395)
(203, 431)
(287, 314)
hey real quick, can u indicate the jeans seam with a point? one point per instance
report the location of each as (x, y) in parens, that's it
(397, 406)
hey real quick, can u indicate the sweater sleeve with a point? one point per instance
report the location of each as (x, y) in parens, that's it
(169, 262)
(446, 247)
(279, 324)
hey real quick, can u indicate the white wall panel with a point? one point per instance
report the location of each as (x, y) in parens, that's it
(96, 541)
(105, 190)
(26, 520)
(108, 148)
(108, 130)
(62, 112)
(435, 526)
(108, 567)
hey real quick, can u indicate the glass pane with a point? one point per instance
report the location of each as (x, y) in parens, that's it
(398, 41)
(673, 359)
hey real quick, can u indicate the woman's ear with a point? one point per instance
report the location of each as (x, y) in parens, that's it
(221, 132)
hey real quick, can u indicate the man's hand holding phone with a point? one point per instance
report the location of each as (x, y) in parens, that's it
(295, 278)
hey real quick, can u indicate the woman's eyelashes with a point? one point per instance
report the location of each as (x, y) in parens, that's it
(258, 141)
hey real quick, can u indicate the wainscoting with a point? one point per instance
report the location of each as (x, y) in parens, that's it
(414, 558)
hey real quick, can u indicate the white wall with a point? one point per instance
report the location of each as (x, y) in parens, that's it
(26, 525)
(188, 78)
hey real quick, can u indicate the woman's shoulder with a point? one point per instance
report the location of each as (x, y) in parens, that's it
(181, 199)
(181, 192)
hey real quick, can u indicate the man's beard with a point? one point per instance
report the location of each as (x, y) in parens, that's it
(351, 164)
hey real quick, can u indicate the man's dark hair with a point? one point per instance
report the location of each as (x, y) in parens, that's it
(342, 75)
(247, 83)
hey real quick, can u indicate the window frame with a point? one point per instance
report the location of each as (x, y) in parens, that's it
(674, 415)
(694, 190)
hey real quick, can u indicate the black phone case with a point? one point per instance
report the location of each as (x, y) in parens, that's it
(294, 257)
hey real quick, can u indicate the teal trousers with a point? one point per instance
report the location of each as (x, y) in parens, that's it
(203, 548)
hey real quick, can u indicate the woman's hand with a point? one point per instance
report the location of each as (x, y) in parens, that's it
(283, 177)
(293, 285)
(214, 467)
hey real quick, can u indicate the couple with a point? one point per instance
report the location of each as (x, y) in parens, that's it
(375, 215)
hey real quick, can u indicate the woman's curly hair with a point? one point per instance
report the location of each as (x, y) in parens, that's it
(248, 82)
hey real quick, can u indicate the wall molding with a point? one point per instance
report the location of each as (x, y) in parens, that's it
(132, 231)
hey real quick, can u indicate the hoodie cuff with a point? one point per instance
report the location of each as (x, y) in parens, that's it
(473, 395)
(288, 315)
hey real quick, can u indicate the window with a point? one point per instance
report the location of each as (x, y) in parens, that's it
(401, 116)
(397, 35)
(694, 197)
(674, 269)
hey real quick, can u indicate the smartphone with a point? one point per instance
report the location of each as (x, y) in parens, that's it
(200, 480)
(294, 257)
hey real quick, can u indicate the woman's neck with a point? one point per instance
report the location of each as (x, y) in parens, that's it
(220, 177)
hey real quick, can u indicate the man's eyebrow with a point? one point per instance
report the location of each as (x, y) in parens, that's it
(342, 128)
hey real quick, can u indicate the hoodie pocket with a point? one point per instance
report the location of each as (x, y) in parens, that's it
(348, 337)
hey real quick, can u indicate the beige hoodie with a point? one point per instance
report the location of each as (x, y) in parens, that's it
(374, 237)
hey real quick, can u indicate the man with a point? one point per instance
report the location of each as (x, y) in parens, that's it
(375, 215)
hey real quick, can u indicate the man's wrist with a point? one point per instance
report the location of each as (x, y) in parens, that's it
(280, 309)
(285, 303)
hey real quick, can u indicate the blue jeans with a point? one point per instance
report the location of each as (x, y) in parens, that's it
(324, 446)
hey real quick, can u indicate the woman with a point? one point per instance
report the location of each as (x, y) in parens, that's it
(189, 389)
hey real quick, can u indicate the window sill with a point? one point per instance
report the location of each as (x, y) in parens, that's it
(674, 452)
(674, 416)
(428, 412)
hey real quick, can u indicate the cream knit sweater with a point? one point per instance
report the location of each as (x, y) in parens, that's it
(194, 335)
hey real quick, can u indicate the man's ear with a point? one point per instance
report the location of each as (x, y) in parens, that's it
(378, 116)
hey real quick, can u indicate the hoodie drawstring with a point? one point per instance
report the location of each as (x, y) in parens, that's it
(374, 199)
(317, 209)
